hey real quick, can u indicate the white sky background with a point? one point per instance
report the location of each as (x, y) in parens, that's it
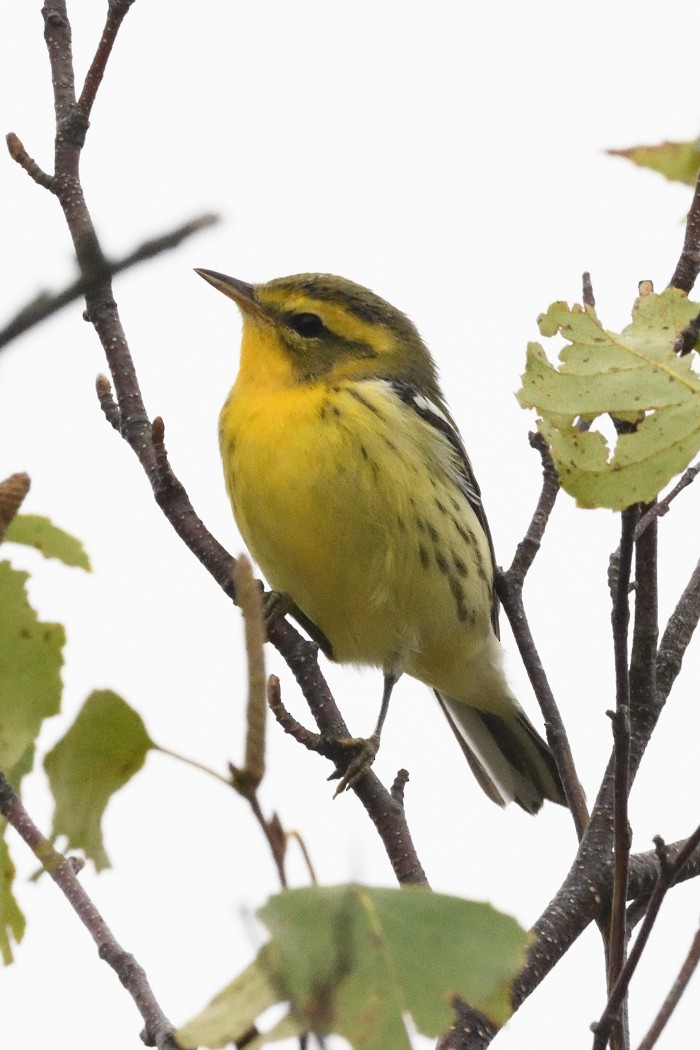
(449, 156)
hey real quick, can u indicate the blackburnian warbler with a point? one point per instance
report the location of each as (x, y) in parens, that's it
(352, 489)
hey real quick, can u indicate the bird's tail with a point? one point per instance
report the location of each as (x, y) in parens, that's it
(508, 757)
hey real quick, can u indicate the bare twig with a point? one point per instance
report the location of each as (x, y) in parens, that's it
(249, 594)
(186, 760)
(388, 806)
(688, 265)
(644, 699)
(45, 305)
(19, 154)
(116, 13)
(398, 788)
(668, 873)
(618, 932)
(617, 926)
(527, 549)
(677, 635)
(311, 741)
(158, 1030)
(621, 753)
(276, 839)
(657, 510)
(583, 897)
(509, 586)
(296, 837)
(672, 999)
(108, 405)
(588, 297)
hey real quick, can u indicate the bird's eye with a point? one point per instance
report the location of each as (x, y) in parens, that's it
(308, 325)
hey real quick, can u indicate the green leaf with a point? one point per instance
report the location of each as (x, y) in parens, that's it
(34, 531)
(30, 669)
(11, 918)
(106, 745)
(678, 161)
(353, 960)
(231, 1013)
(12, 922)
(634, 376)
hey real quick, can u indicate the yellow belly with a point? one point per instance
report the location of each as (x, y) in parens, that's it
(357, 517)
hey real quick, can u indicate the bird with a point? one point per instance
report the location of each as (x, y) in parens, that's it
(352, 489)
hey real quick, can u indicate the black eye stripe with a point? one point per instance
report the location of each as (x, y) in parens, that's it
(306, 324)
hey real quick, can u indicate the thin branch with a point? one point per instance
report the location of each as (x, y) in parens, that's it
(583, 898)
(668, 873)
(19, 154)
(509, 587)
(59, 44)
(688, 265)
(621, 753)
(109, 406)
(677, 636)
(658, 510)
(158, 1030)
(45, 305)
(617, 934)
(386, 812)
(618, 991)
(296, 837)
(276, 839)
(186, 760)
(527, 549)
(249, 594)
(673, 998)
(644, 699)
(117, 11)
(618, 924)
(311, 741)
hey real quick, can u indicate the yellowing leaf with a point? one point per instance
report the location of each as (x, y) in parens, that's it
(30, 669)
(101, 751)
(678, 161)
(353, 960)
(635, 376)
(32, 530)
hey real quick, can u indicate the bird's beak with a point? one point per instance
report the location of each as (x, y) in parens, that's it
(243, 294)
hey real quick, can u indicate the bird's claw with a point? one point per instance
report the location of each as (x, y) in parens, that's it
(275, 605)
(366, 752)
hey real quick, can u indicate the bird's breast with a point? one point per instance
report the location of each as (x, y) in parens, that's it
(347, 506)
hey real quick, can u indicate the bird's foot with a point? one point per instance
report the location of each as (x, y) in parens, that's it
(366, 751)
(275, 605)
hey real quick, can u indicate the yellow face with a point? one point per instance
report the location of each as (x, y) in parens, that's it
(309, 326)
